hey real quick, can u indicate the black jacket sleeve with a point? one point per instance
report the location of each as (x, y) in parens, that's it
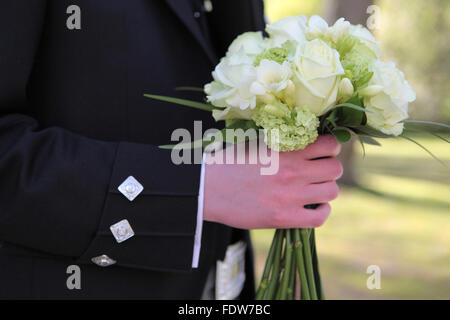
(58, 190)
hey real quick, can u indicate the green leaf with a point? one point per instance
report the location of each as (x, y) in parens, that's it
(348, 116)
(189, 89)
(352, 112)
(346, 45)
(353, 106)
(188, 145)
(368, 131)
(431, 123)
(342, 135)
(369, 140)
(356, 99)
(184, 102)
(362, 145)
(439, 136)
(331, 118)
(362, 81)
(408, 129)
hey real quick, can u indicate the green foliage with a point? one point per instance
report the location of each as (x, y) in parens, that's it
(351, 117)
(346, 45)
(341, 135)
(369, 140)
(183, 102)
(356, 59)
(277, 54)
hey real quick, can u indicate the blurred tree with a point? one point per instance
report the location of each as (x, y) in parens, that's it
(415, 33)
(351, 10)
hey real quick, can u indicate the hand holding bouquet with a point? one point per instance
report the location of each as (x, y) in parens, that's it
(306, 79)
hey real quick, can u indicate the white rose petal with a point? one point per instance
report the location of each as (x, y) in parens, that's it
(289, 28)
(316, 27)
(271, 77)
(370, 91)
(217, 93)
(232, 113)
(252, 43)
(233, 77)
(338, 31)
(387, 96)
(318, 71)
(366, 37)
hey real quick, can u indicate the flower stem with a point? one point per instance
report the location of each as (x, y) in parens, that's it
(308, 263)
(301, 265)
(320, 293)
(293, 273)
(265, 276)
(282, 292)
(275, 274)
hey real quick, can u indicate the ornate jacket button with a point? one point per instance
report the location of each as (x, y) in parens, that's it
(130, 188)
(103, 261)
(122, 230)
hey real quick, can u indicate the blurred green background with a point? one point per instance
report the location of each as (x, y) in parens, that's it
(394, 207)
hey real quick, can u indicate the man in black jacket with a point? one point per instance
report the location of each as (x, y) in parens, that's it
(83, 185)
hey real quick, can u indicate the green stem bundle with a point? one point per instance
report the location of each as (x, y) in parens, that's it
(291, 259)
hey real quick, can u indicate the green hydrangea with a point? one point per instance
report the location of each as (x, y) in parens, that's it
(356, 62)
(295, 129)
(277, 54)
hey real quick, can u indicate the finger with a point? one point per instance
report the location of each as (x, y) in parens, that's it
(314, 218)
(324, 170)
(324, 146)
(303, 218)
(320, 192)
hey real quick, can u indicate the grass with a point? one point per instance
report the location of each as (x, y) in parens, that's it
(397, 218)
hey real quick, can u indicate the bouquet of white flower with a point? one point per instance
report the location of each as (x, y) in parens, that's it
(306, 79)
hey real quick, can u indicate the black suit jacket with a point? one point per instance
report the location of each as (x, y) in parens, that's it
(74, 124)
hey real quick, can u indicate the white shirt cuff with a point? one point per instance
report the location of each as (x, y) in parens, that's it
(198, 228)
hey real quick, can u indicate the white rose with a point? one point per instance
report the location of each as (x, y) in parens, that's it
(232, 113)
(317, 76)
(289, 28)
(317, 27)
(252, 43)
(233, 77)
(271, 77)
(338, 31)
(387, 96)
(366, 37)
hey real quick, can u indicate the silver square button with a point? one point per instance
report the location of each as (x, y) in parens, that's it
(130, 188)
(122, 230)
